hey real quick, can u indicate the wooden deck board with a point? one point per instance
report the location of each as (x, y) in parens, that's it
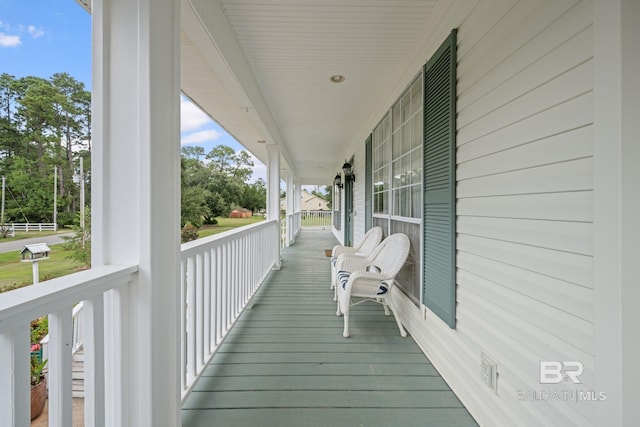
(328, 417)
(285, 362)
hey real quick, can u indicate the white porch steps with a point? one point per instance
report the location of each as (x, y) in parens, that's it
(77, 386)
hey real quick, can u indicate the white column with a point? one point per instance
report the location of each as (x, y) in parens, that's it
(273, 186)
(136, 202)
(298, 191)
(297, 188)
(617, 209)
(291, 198)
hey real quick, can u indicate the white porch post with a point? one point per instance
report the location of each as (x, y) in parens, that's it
(291, 197)
(298, 190)
(273, 187)
(617, 209)
(297, 203)
(136, 204)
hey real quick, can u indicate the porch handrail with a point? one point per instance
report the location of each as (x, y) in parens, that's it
(55, 298)
(219, 275)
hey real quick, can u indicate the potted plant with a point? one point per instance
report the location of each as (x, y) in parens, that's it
(38, 382)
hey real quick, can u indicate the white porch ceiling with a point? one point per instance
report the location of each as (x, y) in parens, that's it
(261, 69)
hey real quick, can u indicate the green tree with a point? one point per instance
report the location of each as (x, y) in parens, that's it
(194, 194)
(214, 183)
(228, 172)
(44, 126)
(79, 245)
(254, 196)
(37, 112)
(71, 131)
(10, 137)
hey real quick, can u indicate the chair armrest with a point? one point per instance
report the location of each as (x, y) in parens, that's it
(347, 262)
(367, 283)
(339, 250)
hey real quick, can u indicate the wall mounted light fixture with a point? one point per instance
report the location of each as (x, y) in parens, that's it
(349, 175)
(337, 181)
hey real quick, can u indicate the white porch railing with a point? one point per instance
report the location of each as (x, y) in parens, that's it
(289, 228)
(315, 219)
(219, 275)
(77, 327)
(56, 298)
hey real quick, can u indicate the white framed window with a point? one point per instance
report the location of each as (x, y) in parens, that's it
(397, 157)
(397, 163)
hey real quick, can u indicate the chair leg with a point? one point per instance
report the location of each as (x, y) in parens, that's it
(403, 332)
(386, 307)
(345, 333)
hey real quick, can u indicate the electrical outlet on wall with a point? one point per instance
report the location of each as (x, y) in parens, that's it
(489, 372)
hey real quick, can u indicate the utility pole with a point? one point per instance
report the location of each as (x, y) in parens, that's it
(55, 196)
(81, 194)
(2, 214)
(82, 200)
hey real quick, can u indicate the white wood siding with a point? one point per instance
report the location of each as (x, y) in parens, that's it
(359, 194)
(525, 211)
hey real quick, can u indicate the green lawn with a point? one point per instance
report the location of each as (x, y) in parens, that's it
(225, 224)
(14, 272)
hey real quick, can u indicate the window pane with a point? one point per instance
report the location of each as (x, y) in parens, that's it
(397, 173)
(406, 106)
(416, 95)
(406, 138)
(416, 166)
(397, 120)
(410, 276)
(416, 201)
(416, 131)
(397, 144)
(406, 202)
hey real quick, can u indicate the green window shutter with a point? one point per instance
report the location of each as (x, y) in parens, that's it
(368, 184)
(440, 182)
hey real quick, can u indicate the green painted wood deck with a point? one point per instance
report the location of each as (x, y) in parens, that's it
(285, 362)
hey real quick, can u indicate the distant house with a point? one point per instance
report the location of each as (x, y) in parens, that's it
(308, 202)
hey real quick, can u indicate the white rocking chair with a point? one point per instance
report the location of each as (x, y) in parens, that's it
(368, 244)
(372, 277)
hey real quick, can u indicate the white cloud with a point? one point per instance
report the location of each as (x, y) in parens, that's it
(191, 117)
(9, 41)
(201, 136)
(35, 32)
(259, 171)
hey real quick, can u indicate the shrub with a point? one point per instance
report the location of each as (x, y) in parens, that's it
(39, 328)
(211, 221)
(189, 233)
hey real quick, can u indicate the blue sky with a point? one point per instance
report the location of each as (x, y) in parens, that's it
(52, 36)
